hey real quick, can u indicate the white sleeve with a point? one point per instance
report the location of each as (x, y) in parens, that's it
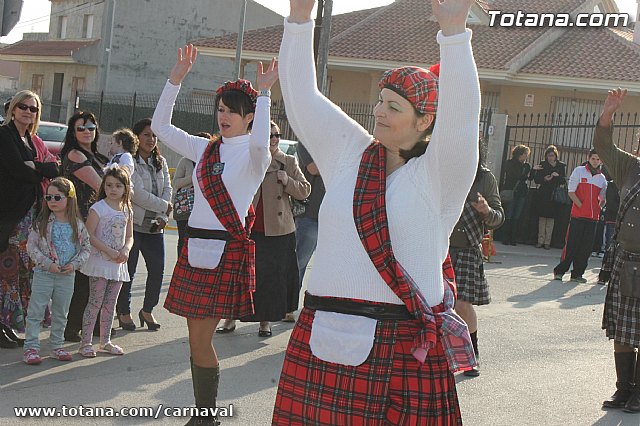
(451, 159)
(325, 130)
(177, 139)
(260, 133)
(574, 180)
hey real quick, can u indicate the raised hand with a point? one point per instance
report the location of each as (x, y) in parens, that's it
(267, 78)
(183, 65)
(611, 105)
(300, 10)
(451, 15)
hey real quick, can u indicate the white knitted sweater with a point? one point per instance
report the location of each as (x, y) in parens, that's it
(424, 197)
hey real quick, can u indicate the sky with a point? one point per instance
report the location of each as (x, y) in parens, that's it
(35, 13)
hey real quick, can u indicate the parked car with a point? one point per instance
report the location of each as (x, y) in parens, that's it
(52, 134)
(288, 147)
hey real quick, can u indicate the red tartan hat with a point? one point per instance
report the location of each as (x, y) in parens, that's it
(417, 85)
(242, 85)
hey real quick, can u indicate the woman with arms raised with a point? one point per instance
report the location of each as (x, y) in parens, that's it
(215, 274)
(378, 309)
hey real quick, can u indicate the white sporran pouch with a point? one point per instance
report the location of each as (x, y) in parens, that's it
(341, 338)
(205, 254)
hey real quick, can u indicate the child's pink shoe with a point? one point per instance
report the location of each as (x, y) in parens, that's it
(111, 349)
(31, 357)
(61, 355)
(87, 351)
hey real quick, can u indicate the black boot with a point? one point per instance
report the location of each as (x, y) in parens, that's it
(475, 371)
(633, 403)
(625, 364)
(8, 331)
(205, 390)
(5, 342)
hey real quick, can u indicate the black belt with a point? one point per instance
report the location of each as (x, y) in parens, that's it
(384, 311)
(208, 234)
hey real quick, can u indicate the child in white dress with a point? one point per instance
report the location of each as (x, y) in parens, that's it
(110, 226)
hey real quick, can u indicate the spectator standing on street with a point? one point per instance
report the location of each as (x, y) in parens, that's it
(182, 195)
(151, 201)
(22, 173)
(110, 225)
(549, 174)
(610, 215)
(122, 147)
(621, 319)
(83, 165)
(58, 245)
(277, 279)
(367, 347)
(214, 277)
(307, 222)
(587, 189)
(482, 210)
(514, 190)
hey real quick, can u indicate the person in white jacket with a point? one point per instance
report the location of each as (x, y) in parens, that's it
(377, 341)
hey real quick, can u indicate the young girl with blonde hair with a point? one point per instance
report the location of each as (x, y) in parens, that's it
(58, 244)
(110, 225)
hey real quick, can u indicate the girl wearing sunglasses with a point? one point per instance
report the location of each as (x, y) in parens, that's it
(82, 164)
(21, 174)
(58, 245)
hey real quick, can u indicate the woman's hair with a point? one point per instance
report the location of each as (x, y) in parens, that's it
(20, 97)
(66, 187)
(137, 129)
(71, 142)
(238, 102)
(204, 135)
(123, 176)
(128, 140)
(518, 150)
(421, 145)
(551, 149)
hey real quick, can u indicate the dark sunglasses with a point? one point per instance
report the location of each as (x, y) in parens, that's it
(90, 127)
(27, 107)
(54, 197)
(276, 135)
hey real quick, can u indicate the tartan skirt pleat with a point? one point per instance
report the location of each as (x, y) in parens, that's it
(621, 318)
(471, 281)
(209, 293)
(390, 388)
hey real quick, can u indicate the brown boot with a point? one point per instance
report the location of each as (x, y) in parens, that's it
(633, 403)
(625, 365)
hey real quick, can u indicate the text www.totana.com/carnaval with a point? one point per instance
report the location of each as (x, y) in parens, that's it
(147, 412)
(523, 19)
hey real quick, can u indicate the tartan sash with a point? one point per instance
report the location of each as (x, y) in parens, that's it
(370, 216)
(209, 175)
(473, 224)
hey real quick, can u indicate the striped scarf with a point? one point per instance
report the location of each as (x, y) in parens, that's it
(370, 216)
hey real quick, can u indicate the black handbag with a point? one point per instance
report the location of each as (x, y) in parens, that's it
(560, 195)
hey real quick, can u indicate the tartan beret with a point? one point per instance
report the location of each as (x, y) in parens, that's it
(243, 86)
(417, 85)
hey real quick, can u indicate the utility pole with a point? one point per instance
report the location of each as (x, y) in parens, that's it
(318, 30)
(110, 48)
(236, 72)
(323, 46)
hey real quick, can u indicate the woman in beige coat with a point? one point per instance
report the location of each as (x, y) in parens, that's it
(277, 285)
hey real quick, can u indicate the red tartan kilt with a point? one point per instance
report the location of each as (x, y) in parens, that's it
(209, 293)
(391, 387)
